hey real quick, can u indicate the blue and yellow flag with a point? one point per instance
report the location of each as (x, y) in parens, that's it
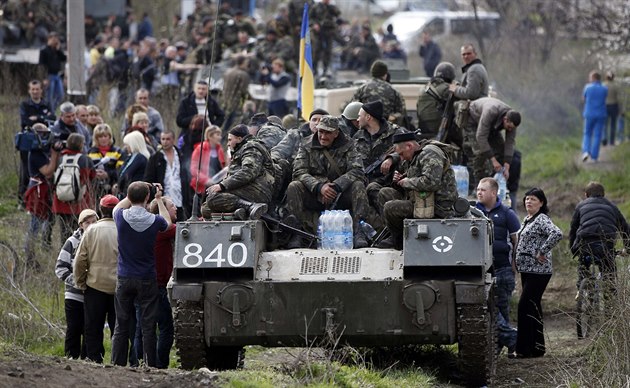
(306, 84)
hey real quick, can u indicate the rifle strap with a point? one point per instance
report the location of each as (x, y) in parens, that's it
(333, 163)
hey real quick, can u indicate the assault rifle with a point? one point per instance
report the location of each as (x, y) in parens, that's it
(289, 228)
(369, 170)
(447, 114)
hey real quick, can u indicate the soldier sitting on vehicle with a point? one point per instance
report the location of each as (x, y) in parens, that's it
(374, 143)
(249, 182)
(427, 182)
(327, 174)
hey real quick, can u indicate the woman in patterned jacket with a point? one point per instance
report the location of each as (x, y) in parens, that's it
(536, 238)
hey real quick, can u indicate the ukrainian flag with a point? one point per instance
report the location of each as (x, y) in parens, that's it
(306, 84)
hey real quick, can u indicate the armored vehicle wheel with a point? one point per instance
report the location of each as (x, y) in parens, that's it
(477, 341)
(189, 338)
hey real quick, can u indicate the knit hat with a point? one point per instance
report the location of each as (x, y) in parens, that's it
(239, 130)
(318, 111)
(378, 69)
(257, 120)
(109, 201)
(328, 124)
(403, 137)
(87, 213)
(374, 109)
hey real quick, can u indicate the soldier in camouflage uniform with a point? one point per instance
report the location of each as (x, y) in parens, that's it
(323, 19)
(379, 89)
(327, 172)
(484, 145)
(374, 143)
(285, 151)
(269, 133)
(271, 48)
(424, 168)
(249, 181)
(432, 101)
(235, 91)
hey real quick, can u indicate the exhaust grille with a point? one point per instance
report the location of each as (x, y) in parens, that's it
(314, 266)
(346, 265)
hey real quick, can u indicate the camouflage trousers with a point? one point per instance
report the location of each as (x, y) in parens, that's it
(223, 202)
(481, 167)
(395, 211)
(306, 205)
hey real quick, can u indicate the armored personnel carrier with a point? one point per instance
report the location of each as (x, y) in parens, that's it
(230, 292)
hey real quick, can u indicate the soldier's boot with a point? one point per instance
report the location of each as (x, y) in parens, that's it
(296, 242)
(254, 209)
(359, 238)
(391, 242)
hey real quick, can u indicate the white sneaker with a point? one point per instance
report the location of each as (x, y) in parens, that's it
(585, 156)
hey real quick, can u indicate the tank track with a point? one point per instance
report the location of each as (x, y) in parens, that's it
(189, 336)
(477, 339)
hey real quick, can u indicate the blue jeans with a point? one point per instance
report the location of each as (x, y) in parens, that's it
(166, 331)
(505, 286)
(506, 335)
(55, 91)
(592, 137)
(145, 293)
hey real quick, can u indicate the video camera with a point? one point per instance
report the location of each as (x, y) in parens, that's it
(38, 138)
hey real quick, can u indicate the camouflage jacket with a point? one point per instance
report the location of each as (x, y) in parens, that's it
(312, 168)
(378, 89)
(235, 89)
(288, 147)
(271, 134)
(373, 147)
(486, 121)
(251, 167)
(429, 171)
(325, 15)
(430, 107)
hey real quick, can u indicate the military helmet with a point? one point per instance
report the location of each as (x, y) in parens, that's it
(446, 71)
(351, 112)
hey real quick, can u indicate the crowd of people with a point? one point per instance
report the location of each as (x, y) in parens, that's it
(237, 159)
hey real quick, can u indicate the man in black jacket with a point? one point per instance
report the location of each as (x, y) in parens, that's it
(52, 58)
(595, 226)
(33, 110)
(165, 167)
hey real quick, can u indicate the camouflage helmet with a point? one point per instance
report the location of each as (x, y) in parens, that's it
(446, 71)
(351, 111)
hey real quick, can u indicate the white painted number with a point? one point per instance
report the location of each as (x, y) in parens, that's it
(194, 250)
(195, 254)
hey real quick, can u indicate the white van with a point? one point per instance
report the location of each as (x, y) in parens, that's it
(408, 26)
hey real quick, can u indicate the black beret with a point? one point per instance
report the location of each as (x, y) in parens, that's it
(402, 137)
(374, 109)
(239, 130)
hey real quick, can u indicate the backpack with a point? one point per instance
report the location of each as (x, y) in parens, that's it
(68, 187)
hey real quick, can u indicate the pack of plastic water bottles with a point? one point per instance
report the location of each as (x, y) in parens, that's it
(335, 230)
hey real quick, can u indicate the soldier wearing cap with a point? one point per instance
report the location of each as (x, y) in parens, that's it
(327, 172)
(379, 89)
(374, 143)
(249, 181)
(94, 271)
(424, 173)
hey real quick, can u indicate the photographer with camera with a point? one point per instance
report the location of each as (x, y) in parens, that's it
(72, 184)
(42, 162)
(32, 111)
(137, 277)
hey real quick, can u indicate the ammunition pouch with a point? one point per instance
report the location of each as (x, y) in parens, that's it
(423, 204)
(461, 113)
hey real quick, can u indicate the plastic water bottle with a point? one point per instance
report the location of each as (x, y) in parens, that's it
(346, 230)
(338, 228)
(320, 231)
(328, 232)
(368, 230)
(500, 178)
(461, 177)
